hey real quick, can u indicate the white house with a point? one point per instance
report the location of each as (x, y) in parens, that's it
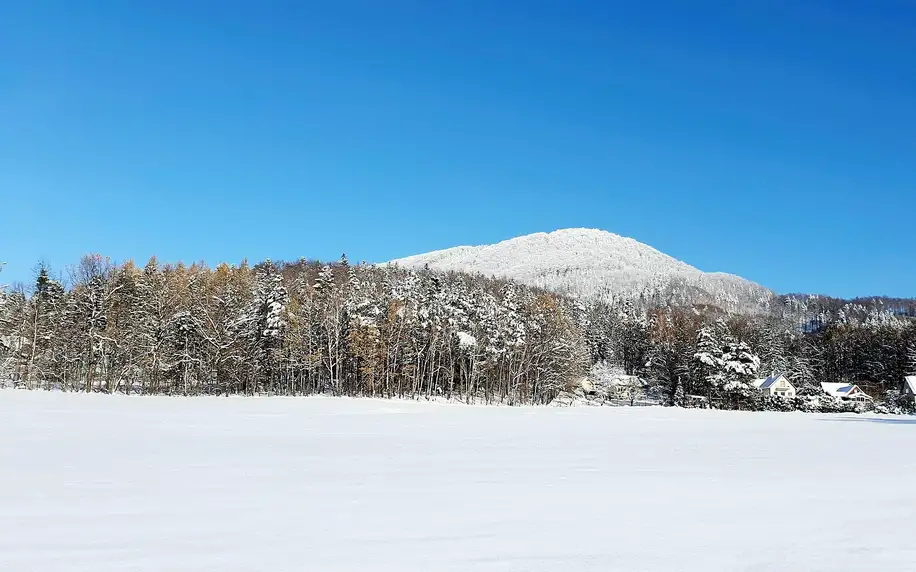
(846, 392)
(615, 387)
(627, 387)
(909, 387)
(775, 385)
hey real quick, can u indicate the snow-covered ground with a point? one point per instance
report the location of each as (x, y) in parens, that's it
(99, 483)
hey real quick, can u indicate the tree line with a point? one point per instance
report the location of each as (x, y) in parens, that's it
(705, 352)
(289, 329)
(305, 327)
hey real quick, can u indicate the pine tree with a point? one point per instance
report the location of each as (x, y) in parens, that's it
(152, 316)
(670, 356)
(6, 340)
(269, 320)
(774, 356)
(631, 339)
(707, 360)
(43, 305)
(122, 328)
(911, 358)
(183, 342)
(739, 365)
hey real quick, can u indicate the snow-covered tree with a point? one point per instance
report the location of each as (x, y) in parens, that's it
(911, 358)
(740, 364)
(38, 330)
(630, 338)
(708, 363)
(670, 355)
(266, 322)
(725, 365)
(306, 327)
(331, 324)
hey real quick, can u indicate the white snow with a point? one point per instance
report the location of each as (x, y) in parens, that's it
(589, 263)
(466, 340)
(112, 483)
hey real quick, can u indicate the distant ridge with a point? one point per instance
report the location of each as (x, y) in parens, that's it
(587, 263)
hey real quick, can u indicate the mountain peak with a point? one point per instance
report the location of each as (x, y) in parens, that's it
(588, 262)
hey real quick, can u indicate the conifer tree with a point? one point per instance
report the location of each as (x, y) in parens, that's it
(911, 359)
(44, 303)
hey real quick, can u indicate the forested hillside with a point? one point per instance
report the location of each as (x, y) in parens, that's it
(344, 329)
(592, 263)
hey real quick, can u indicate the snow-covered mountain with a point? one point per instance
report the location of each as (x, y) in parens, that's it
(596, 263)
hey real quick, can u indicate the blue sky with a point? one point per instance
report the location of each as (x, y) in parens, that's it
(771, 139)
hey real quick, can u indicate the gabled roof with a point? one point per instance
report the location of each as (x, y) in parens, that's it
(842, 389)
(910, 381)
(770, 381)
(834, 388)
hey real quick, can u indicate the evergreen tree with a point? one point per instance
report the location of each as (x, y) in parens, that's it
(708, 365)
(911, 358)
(269, 321)
(670, 356)
(740, 364)
(631, 339)
(43, 305)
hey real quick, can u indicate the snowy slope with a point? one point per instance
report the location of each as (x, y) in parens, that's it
(97, 483)
(589, 262)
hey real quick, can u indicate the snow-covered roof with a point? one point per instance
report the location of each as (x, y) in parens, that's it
(765, 382)
(842, 389)
(769, 382)
(586, 384)
(910, 381)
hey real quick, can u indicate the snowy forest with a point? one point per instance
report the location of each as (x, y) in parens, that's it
(307, 327)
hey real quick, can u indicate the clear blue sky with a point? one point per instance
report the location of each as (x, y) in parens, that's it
(772, 139)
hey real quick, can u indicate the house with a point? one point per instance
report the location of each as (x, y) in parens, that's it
(612, 387)
(909, 387)
(775, 385)
(626, 387)
(846, 392)
(587, 386)
(609, 389)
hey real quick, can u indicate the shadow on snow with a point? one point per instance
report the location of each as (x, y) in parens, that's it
(888, 421)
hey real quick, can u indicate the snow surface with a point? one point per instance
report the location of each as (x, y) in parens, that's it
(100, 483)
(590, 262)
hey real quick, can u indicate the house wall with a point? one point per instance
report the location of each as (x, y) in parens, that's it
(857, 395)
(781, 388)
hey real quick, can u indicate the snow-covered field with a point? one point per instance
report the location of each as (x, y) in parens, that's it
(100, 483)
